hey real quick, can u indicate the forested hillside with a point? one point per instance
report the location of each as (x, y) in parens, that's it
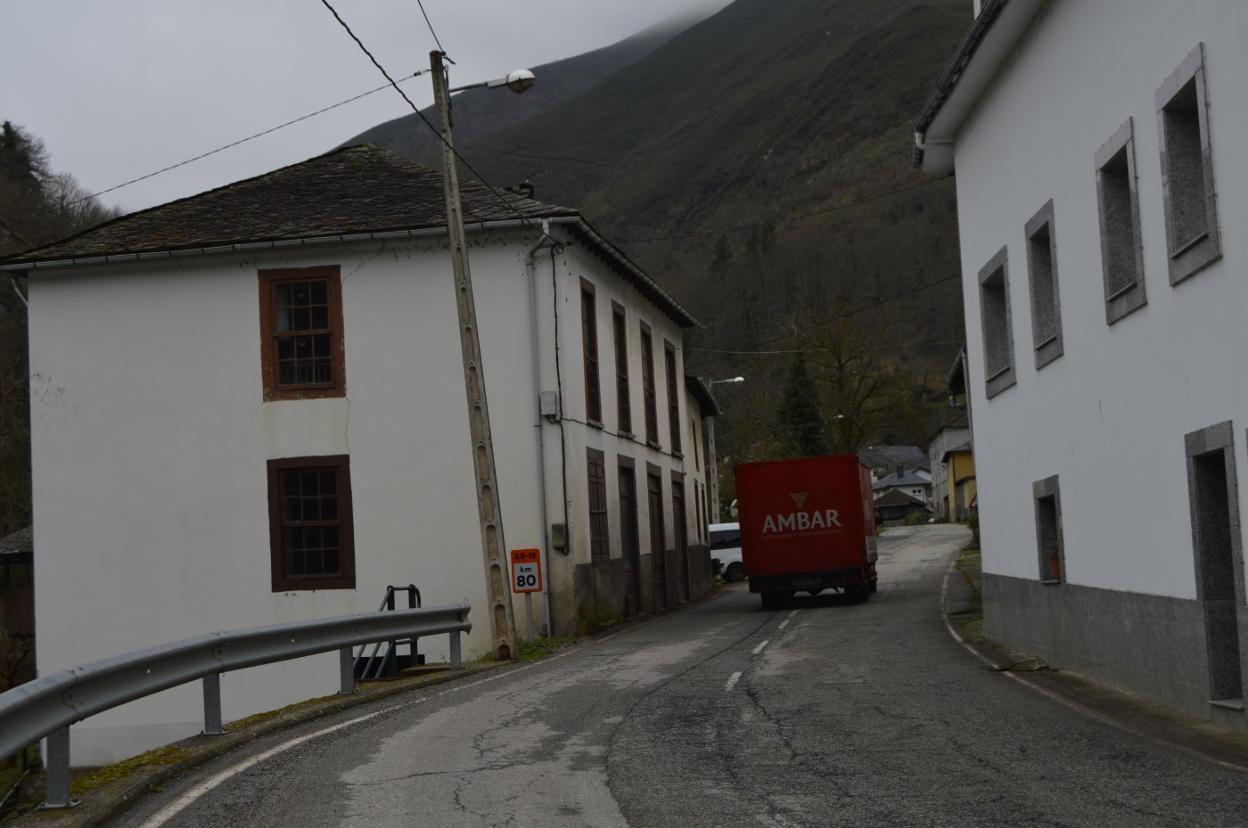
(758, 164)
(37, 205)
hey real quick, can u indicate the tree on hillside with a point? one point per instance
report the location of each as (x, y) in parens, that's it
(866, 395)
(800, 420)
(37, 206)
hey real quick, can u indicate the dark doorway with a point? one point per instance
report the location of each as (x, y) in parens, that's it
(629, 539)
(680, 532)
(658, 555)
(1215, 565)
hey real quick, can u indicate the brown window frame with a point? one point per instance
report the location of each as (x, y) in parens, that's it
(599, 526)
(623, 400)
(673, 397)
(589, 352)
(340, 464)
(648, 390)
(270, 279)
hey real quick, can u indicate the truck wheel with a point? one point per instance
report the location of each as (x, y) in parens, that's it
(734, 572)
(871, 585)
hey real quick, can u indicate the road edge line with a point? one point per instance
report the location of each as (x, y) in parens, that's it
(1070, 704)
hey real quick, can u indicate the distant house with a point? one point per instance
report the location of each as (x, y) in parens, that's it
(896, 505)
(1102, 190)
(248, 407)
(915, 483)
(953, 473)
(884, 460)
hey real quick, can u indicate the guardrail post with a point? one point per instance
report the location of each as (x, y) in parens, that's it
(346, 672)
(212, 705)
(455, 658)
(56, 777)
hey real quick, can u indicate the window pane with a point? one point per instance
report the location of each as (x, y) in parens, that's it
(308, 481)
(320, 318)
(333, 565)
(320, 292)
(299, 293)
(329, 508)
(300, 319)
(290, 510)
(285, 348)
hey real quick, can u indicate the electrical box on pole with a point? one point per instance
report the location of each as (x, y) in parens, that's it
(492, 545)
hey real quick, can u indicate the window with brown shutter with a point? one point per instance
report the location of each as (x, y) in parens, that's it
(647, 386)
(301, 348)
(624, 409)
(310, 529)
(673, 401)
(589, 344)
(599, 541)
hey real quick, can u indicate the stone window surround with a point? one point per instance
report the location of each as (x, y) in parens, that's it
(1124, 301)
(1215, 438)
(1004, 378)
(1198, 253)
(1049, 487)
(1051, 348)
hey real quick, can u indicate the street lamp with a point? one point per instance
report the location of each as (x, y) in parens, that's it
(493, 546)
(710, 447)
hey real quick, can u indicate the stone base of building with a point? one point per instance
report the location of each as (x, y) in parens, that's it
(1148, 645)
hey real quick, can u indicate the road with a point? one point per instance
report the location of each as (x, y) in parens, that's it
(826, 713)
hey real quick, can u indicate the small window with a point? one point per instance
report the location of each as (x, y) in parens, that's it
(673, 397)
(994, 305)
(1046, 315)
(311, 544)
(647, 386)
(1049, 530)
(301, 333)
(624, 409)
(1122, 257)
(1187, 170)
(589, 345)
(599, 541)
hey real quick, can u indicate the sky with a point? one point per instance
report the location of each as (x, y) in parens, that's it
(121, 88)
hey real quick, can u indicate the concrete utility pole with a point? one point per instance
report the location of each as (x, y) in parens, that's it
(493, 547)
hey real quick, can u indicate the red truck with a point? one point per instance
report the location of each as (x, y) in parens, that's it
(807, 525)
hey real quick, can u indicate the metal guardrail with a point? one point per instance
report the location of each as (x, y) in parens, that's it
(48, 705)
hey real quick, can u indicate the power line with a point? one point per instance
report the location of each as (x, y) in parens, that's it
(430, 25)
(800, 217)
(233, 144)
(501, 198)
(878, 303)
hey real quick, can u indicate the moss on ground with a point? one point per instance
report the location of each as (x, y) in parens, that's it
(543, 646)
(92, 779)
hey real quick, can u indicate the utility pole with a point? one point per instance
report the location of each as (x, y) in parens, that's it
(493, 548)
(712, 463)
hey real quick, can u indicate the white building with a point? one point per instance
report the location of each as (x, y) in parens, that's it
(248, 407)
(1102, 188)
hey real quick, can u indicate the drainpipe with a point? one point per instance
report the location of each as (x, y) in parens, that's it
(536, 354)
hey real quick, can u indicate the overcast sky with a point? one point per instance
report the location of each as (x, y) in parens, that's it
(118, 89)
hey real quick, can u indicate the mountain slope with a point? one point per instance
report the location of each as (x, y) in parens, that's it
(758, 163)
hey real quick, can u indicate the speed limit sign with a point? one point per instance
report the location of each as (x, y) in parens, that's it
(526, 570)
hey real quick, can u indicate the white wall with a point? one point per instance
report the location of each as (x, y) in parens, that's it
(150, 442)
(1110, 415)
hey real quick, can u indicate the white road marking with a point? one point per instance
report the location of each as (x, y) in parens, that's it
(760, 647)
(1049, 694)
(783, 624)
(793, 613)
(187, 799)
(732, 681)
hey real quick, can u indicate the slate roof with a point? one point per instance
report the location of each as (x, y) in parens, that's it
(878, 457)
(702, 393)
(21, 542)
(356, 189)
(896, 497)
(908, 478)
(352, 191)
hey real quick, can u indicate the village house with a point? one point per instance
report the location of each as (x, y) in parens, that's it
(1101, 189)
(248, 407)
(953, 473)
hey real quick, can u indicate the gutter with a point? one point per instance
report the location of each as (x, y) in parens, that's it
(999, 27)
(673, 308)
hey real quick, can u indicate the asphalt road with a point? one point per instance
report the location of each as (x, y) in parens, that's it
(825, 713)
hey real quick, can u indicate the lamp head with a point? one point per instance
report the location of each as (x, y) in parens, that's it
(520, 81)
